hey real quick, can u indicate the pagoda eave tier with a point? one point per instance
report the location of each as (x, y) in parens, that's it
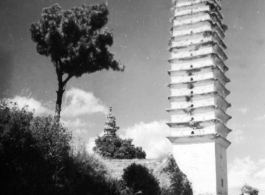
(199, 115)
(185, 3)
(197, 38)
(200, 139)
(198, 87)
(203, 6)
(197, 101)
(198, 50)
(194, 18)
(202, 61)
(195, 28)
(203, 128)
(198, 75)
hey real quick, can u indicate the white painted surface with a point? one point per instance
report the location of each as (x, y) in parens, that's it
(194, 18)
(212, 129)
(182, 3)
(200, 101)
(202, 87)
(198, 96)
(205, 115)
(194, 51)
(197, 161)
(192, 29)
(207, 61)
(198, 75)
(191, 9)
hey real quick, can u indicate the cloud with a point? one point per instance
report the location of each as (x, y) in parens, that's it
(248, 171)
(77, 126)
(91, 143)
(81, 131)
(33, 105)
(79, 102)
(74, 123)
(260, 118)
(237, 136)
(151, 137)
(243, 110)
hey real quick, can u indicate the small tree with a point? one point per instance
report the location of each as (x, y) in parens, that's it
(76, 41)
(117, 148)
(140, 180)
(111, 146)
(179, 182)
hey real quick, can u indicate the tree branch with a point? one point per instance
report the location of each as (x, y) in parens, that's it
(67, 79)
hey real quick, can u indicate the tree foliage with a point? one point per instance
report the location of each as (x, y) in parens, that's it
(116, 148)
(179, 182)
(36, 158)
(140, 180)
(77, 42)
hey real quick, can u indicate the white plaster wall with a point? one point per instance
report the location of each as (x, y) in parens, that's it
(189, 53)
(192, 132)
(210, 115)
(192, 9)
(196, 90)
(197, 161)
(191, 41)
(198, 63)
(195, 104)
(204, 50)
(221, 170)
(191, 19)
(195, 76)
(192, 29)
(182, 3)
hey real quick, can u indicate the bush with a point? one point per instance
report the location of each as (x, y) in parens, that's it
(140, 180)
(179, 182)
(36, 158)
(23, 168)
(114, 147)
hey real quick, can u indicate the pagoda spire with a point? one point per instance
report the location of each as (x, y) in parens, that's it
(110, 124)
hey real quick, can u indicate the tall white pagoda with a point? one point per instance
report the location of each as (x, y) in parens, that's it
(198, 95)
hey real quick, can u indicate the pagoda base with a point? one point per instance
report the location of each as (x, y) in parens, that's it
(203, 160)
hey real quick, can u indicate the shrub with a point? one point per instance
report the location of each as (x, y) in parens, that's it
(140, 180)
(116, 148)
(36, 158)
(179, 182)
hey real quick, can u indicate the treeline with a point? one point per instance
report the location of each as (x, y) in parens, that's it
(36, 157)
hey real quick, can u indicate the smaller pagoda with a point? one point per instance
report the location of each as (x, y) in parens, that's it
(110, 125)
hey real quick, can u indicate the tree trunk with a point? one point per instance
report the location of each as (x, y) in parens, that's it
(61, 86)
(58, 107)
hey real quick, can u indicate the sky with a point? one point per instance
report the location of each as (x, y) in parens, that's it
(139, 95)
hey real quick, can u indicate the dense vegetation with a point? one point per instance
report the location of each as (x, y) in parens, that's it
(114, 147)
(36, 157)
(140, 181)
(179, 182)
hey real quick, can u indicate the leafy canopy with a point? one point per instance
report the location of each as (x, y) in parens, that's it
(140, 180)
(114, 147)
(179, 182)
(75, 39)
(36, 158)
